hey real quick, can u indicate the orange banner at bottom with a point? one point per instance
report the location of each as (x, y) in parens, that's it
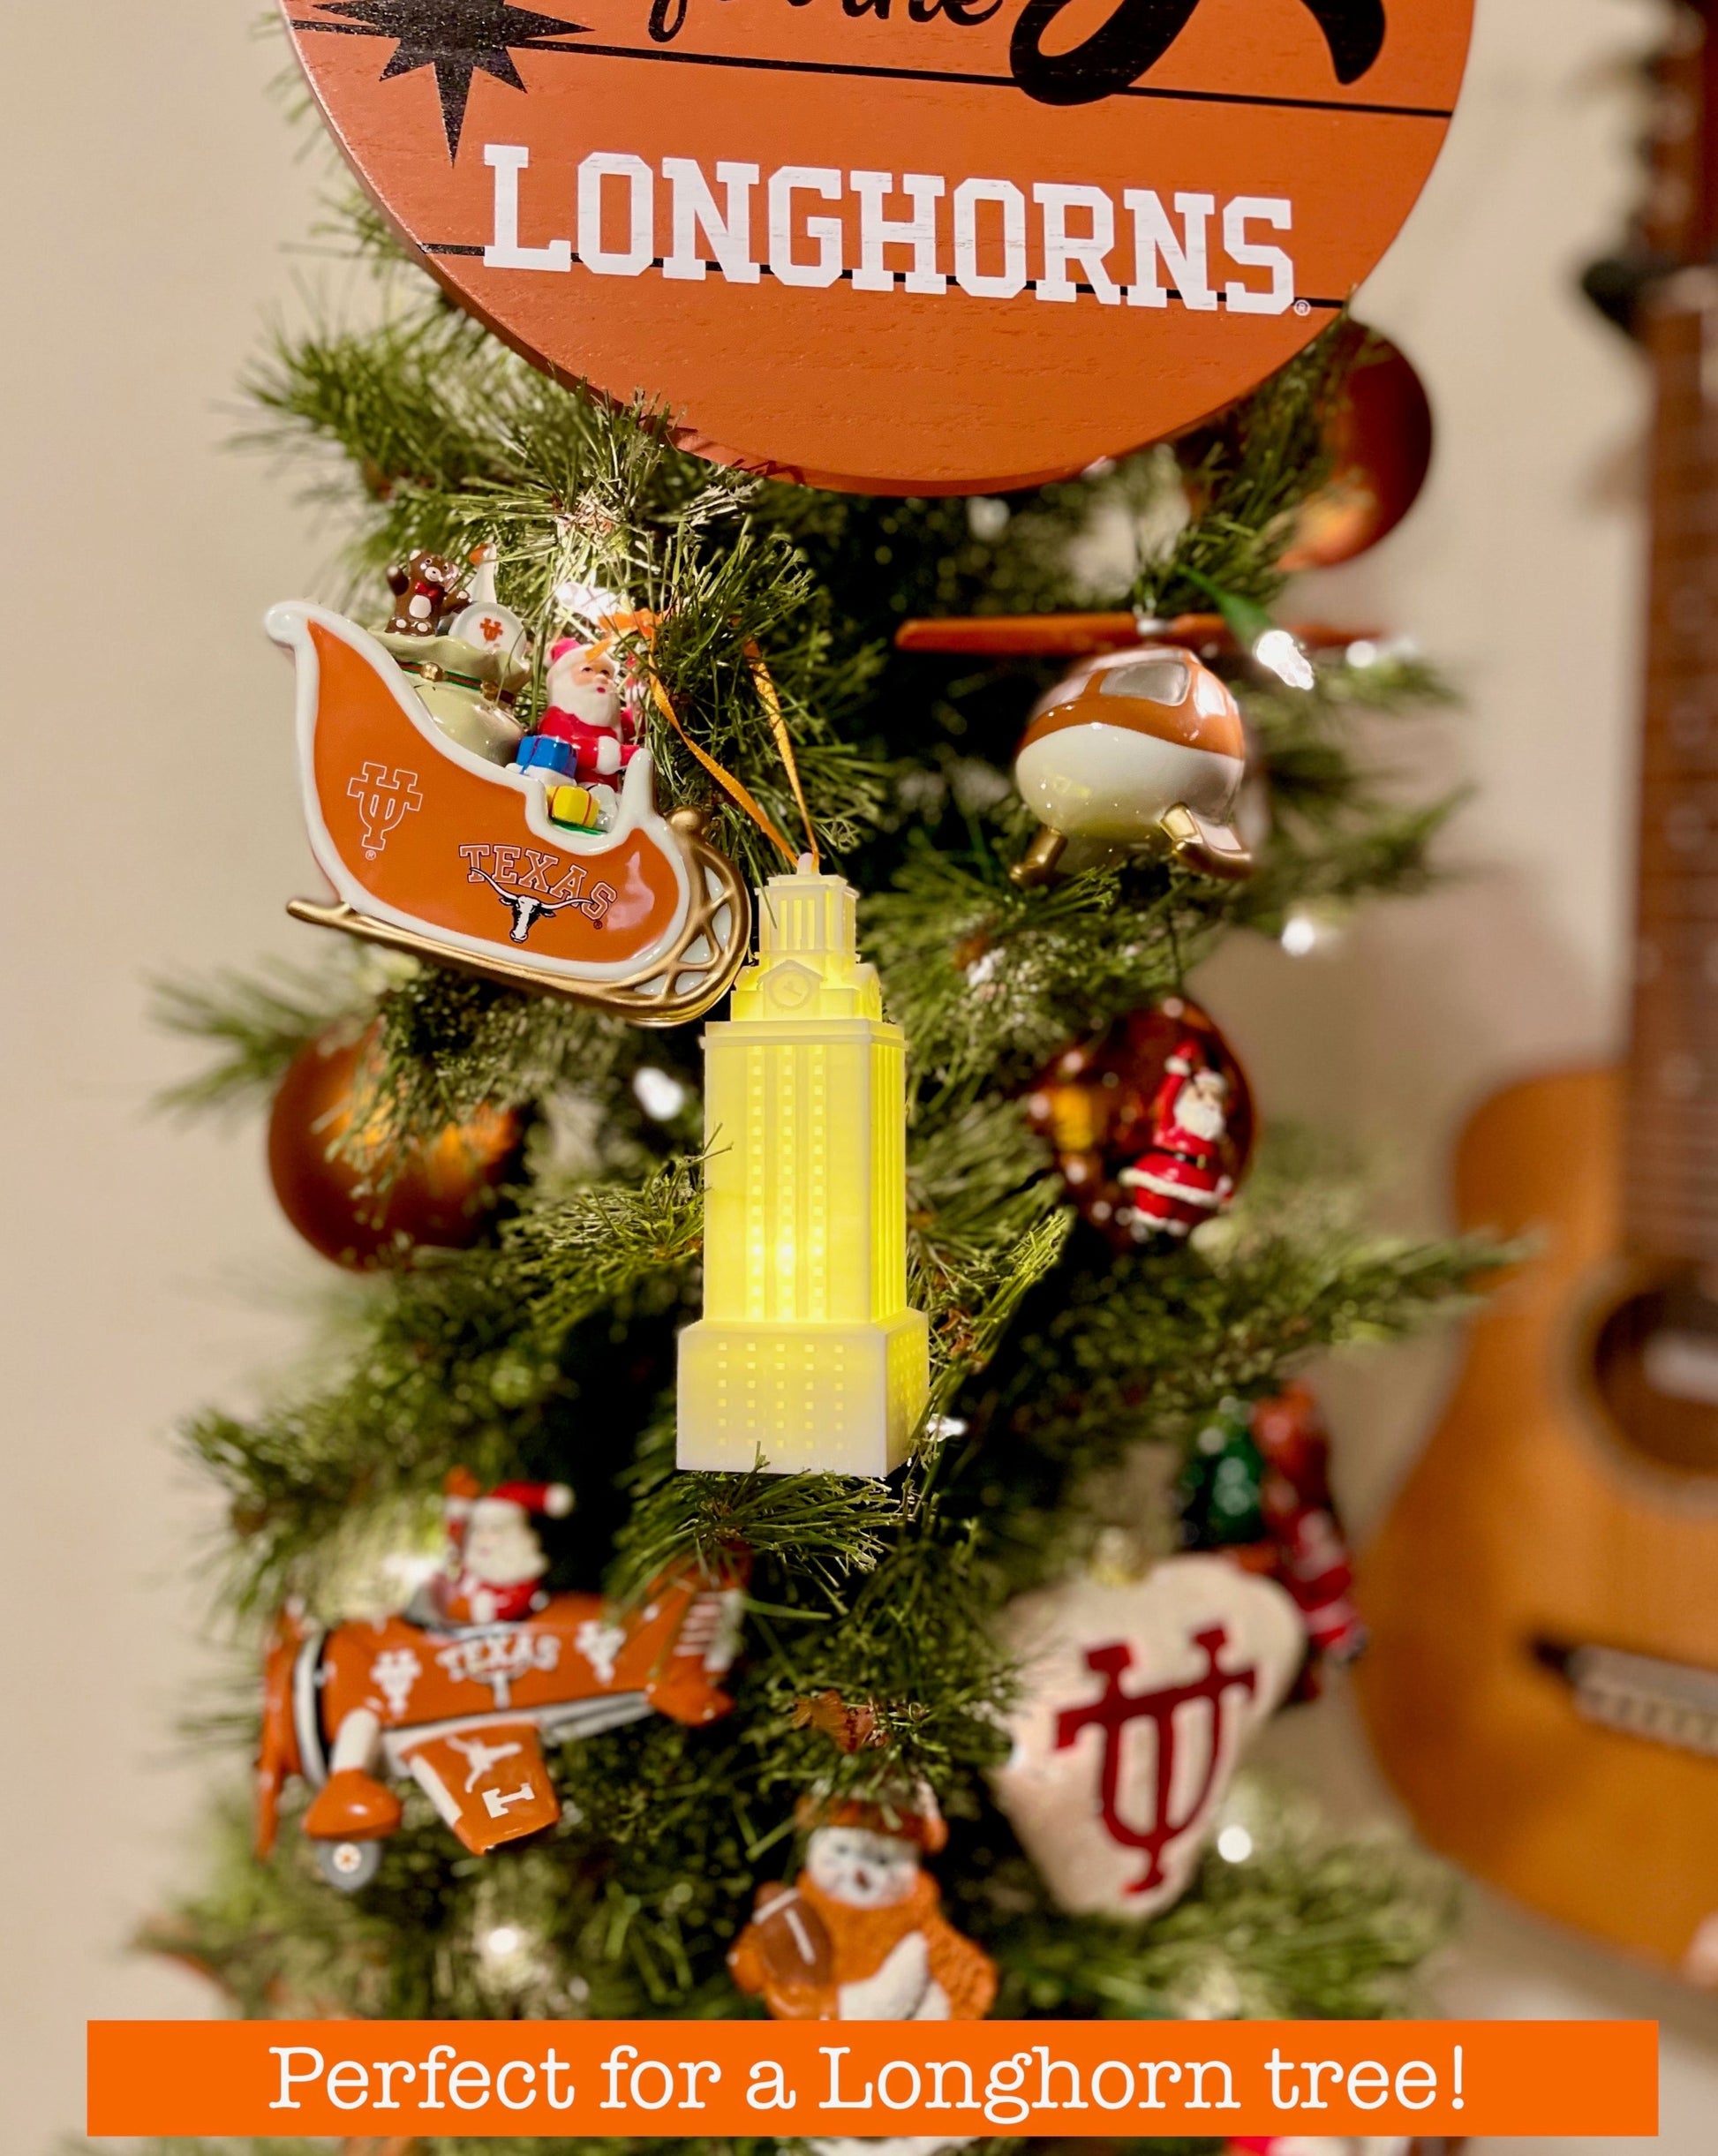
(805, 2079)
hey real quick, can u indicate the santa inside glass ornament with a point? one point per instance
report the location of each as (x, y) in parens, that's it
(1152, 1125)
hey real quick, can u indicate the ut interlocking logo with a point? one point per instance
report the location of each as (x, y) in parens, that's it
(384, 797)
(394, 1674)
(1116, 1708)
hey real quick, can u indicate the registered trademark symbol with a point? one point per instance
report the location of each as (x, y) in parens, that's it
(1303, 306)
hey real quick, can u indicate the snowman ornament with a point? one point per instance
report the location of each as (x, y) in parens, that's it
(1136, 748)
(861, 1935)
(1140, 1698)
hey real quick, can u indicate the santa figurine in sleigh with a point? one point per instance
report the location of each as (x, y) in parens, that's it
(587, 734)
(1179, 1180)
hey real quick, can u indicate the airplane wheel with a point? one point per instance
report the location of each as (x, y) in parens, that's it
(348, 1865)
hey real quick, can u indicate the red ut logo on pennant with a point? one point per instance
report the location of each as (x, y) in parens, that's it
(1116, 1708)
(383, 797)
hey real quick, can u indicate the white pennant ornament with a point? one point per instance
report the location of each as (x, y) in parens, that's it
(1140, 1699)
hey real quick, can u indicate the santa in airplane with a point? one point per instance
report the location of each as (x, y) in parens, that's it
(494, 1559)
(1180, 1179)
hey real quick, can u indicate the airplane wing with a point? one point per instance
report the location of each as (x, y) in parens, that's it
(489, 1783)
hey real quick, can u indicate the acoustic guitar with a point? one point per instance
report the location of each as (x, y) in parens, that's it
(1542, 1687)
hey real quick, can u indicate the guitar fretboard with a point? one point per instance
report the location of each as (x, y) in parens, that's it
(1671, 1188)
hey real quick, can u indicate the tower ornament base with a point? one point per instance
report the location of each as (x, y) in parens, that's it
(801, 1398)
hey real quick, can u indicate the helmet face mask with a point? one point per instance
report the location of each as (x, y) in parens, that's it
(1163, 678)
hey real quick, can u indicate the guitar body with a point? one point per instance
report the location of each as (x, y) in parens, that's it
(1561, 1502)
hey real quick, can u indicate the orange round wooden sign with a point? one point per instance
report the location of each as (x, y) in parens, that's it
(901, 245)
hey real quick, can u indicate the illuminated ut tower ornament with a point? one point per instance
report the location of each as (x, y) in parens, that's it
(807, 1354)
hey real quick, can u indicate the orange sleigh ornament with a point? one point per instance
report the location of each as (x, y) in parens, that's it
(435, 851)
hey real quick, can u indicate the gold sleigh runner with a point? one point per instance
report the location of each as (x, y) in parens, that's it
(433, 850)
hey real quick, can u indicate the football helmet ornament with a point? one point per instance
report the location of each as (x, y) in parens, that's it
(1134, 749)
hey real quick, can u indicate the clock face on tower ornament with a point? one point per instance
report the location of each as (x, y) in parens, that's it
(896, 246)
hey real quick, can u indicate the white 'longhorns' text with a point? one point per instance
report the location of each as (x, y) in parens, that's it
(884, 232)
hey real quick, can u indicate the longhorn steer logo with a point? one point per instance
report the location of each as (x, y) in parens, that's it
(525, 909)
(384, 797)
(1116, 1708)
(480, 1758)
(528, 894)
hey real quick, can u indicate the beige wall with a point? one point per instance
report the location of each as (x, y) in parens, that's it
(153, 828)
(150, 797)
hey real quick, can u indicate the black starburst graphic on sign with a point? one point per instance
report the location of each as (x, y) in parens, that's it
(458, 38)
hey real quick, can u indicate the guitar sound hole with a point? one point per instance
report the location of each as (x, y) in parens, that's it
(1655, 1363)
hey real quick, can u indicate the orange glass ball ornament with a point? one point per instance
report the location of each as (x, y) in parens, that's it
(1379, 437)
(367, 1210)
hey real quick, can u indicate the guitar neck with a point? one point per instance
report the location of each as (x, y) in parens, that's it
(1671, 1191)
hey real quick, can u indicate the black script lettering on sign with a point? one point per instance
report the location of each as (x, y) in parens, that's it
(1141, 32)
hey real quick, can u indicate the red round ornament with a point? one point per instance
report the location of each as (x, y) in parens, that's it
(1380, 441)
(438, 1194)
(1102, 1106)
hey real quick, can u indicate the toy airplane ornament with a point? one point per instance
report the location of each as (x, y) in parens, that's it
(436, 848)
(467, 1710)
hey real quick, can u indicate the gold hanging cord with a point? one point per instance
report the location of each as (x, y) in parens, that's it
(771, 703)
(732, 786)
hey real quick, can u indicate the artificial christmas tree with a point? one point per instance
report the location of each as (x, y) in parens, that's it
(1071, 1371)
